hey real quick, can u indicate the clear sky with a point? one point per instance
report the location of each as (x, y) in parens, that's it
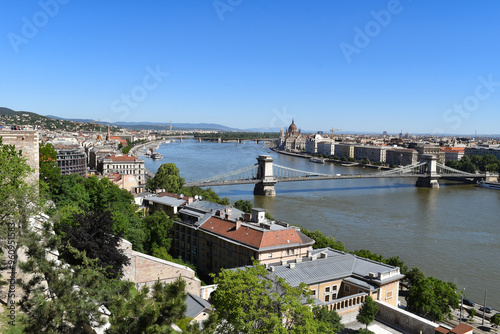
(416, 66)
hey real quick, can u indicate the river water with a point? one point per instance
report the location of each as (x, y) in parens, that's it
(452, 233)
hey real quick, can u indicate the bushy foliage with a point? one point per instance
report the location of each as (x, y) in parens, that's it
(92, 233)
(253, 301)
(433, 298)
(367, 312)
(322, 240)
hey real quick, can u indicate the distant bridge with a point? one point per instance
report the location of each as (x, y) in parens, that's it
(264, 174)
(237, 140)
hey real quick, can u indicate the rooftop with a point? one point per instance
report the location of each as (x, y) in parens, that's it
(327, 264)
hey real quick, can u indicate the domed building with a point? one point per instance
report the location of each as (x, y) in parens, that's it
(292, 139)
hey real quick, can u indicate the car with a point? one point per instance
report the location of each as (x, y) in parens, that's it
(487, 309)
(469, 302)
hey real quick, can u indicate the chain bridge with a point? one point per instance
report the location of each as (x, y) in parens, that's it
(264, 174)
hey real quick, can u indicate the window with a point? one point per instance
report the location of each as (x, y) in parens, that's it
(347, 288)
(327, 298)
(270, 255)
(334, 296)
(314, 293)
(334, 288)
(327, 289)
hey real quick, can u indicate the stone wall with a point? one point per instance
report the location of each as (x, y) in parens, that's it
(27, 142)
(146, 270)
(405, 320)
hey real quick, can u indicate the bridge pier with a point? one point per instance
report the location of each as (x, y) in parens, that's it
(430, 181)
(427, 182)
(265, 173)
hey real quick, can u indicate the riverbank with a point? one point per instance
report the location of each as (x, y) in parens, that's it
(330, 160)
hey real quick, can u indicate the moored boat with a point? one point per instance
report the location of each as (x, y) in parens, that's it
(489, 185)
(317, 160)
(157, 155)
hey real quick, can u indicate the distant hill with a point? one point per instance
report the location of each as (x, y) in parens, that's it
(22, 118)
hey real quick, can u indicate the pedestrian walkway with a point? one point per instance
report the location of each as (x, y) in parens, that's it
(376, 326)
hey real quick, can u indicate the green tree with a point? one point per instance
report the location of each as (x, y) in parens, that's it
(92, 233)
(50, 173)
(167, 177)
(472, 312)
(157, 229)
(397, 262)
(57, 298)
(322, 241)
(243, 205)
(207, 194)
(369, 255)
(148, 310)
(328, 320)
(433, 298)
(18, 202)
(367, 312)
(413, 276)
(253, 301)
(495, 320)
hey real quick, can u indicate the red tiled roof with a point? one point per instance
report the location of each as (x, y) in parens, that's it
(453, 149)
(252, 237)
(121, 158)
(461, 329)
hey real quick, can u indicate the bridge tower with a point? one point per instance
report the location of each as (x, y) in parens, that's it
(431, 180)
(265, 173)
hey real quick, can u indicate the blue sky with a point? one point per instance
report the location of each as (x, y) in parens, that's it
(415, 66)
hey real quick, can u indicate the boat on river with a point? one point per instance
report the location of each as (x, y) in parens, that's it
(317, 160)
(489, 185)
(156, 156)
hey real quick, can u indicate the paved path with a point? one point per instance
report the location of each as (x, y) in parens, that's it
(376, 326)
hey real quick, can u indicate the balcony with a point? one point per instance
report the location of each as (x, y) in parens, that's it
(341, 304)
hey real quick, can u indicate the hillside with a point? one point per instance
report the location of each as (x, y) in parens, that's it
(9, 117)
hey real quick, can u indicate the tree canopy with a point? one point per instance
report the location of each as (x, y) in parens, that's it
(433, 298)
(148, 310)
(92, 233)
(167, 177)
(251, 300)
(157, 228)
(367, 312)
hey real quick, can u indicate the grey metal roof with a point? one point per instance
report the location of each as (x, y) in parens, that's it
(336, 265)
(165, 200)
(361, 283)
(195, 305)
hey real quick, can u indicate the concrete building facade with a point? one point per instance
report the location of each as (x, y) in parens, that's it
(27, 142)
(123, 164)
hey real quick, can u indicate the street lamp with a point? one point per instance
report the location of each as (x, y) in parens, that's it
(461, 306)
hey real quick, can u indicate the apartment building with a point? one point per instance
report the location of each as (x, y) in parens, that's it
(401, 156)
(372, 153)
(123, 164)
(227, 238)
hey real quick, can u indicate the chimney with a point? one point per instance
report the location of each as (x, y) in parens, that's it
(238, 224)
(271, 268)
(292, 265)
(309, 253)
(283, 262)
(371, 275)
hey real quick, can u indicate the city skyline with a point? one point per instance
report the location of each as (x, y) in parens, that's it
(374, 66)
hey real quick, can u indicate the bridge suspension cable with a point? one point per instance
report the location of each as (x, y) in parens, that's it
(245, 173)
(283, 172)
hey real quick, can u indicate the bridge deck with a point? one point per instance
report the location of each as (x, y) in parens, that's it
(324, 177)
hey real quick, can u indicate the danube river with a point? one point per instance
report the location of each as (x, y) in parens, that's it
(452, 233)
